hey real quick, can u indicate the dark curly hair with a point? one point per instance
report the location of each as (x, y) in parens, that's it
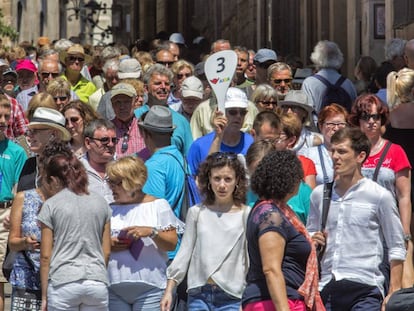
(59, 161)
(218, 160)
(277, 175)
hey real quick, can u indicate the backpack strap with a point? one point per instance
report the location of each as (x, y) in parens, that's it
(340, 81)
(326, 203)
(323, 80)
(381, 159)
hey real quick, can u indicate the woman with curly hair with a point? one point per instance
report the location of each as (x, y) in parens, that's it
(283, 272)
(213, 248)
(76, 237)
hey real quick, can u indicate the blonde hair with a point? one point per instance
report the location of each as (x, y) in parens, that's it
(180, 65)
(291, 125)
(41, 99)
(131, 171)
(58, 85)
(400, 87)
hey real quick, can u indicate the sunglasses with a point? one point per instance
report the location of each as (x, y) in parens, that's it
(61, 98)
(235, 112)
(72, 120)
(268, 103)
(106, 140)
(224, 155)
(278, 81)
(296, 109)
(112, 183)
(124, 146)
(182, 75)
(168, 64)
(367, 116)
(76, 58)
(48, 74)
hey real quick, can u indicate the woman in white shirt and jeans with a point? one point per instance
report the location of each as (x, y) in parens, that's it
(213, 249)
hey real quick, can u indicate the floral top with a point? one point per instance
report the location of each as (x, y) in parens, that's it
(23, 275)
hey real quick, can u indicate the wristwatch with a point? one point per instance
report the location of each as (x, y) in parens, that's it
(154, 233)
(407, 237)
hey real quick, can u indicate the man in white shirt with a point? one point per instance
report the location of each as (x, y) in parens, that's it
(361, 216)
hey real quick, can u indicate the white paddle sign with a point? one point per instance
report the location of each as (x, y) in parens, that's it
(219, 69)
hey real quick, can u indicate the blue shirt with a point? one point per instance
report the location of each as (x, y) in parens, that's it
(166, 179)
(199, 149)
(182, 136)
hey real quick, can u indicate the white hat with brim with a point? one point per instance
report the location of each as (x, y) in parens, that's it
(235, 98)
(297, 98)
(75, 49)
(158, 119)
(123, 89)
(47, 117)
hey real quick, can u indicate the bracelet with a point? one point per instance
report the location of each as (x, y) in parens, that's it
(407, 237)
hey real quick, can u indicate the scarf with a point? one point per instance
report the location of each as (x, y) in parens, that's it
(309, 288)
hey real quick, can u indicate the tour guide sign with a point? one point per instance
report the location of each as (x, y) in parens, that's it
(220, 68)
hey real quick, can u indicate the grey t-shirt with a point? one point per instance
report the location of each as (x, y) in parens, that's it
(77, 222)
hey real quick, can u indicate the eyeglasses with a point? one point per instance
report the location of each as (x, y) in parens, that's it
(61, 98)
(367, 116)
(106, 140)
(278, 81)
(224, 155)
(124, 146)
(72, 120)
(76, 58)
(268, 103)
(182, 75)
(48, 74)
(332, 125)
(167, 64)
(34, 131)
(235, 112)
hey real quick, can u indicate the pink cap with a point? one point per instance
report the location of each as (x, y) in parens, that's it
(26, 64)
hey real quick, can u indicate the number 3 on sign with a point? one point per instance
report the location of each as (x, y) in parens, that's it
(220, 68)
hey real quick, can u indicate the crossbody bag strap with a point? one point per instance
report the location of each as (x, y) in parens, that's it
(29, 261)
(326, 203)
(381, 159)
(325, 175)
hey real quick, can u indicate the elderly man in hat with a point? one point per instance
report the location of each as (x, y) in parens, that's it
(165, 166)
(47, 124)
(227, 135)
(26, 81)
(74, 58)
(12, 160)
(123, 96)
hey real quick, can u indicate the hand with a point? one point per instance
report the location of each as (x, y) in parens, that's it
(384, 303)
(119, 244)
(44, 305)
(166, 301)
(137, 232)
(319, 239)
(31, 243)
(6, 222)
(219, 122)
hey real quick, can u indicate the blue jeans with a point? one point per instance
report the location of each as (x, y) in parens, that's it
(211, 298)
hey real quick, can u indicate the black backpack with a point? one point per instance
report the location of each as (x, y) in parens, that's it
(335, 93)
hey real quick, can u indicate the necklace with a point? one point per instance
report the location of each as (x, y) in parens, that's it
(378, 146)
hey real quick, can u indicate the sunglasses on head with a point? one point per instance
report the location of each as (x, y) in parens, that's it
(367, 116)
(182, 75)
(235, 112)
(106, 140)
(224, 155)
(278, 81)
(76, 58)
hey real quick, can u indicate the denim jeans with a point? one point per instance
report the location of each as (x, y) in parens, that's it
(211, 297)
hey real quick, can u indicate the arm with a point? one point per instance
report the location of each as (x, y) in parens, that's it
(167, 298)
(310, 180)
(45, 254)
(106, 242)
(165, 240)
(396, 271)
(219, 123)
(16, 241)
(271, 246)
(403, 191)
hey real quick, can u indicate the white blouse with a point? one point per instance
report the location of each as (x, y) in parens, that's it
(150, 267)
(213, 247)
